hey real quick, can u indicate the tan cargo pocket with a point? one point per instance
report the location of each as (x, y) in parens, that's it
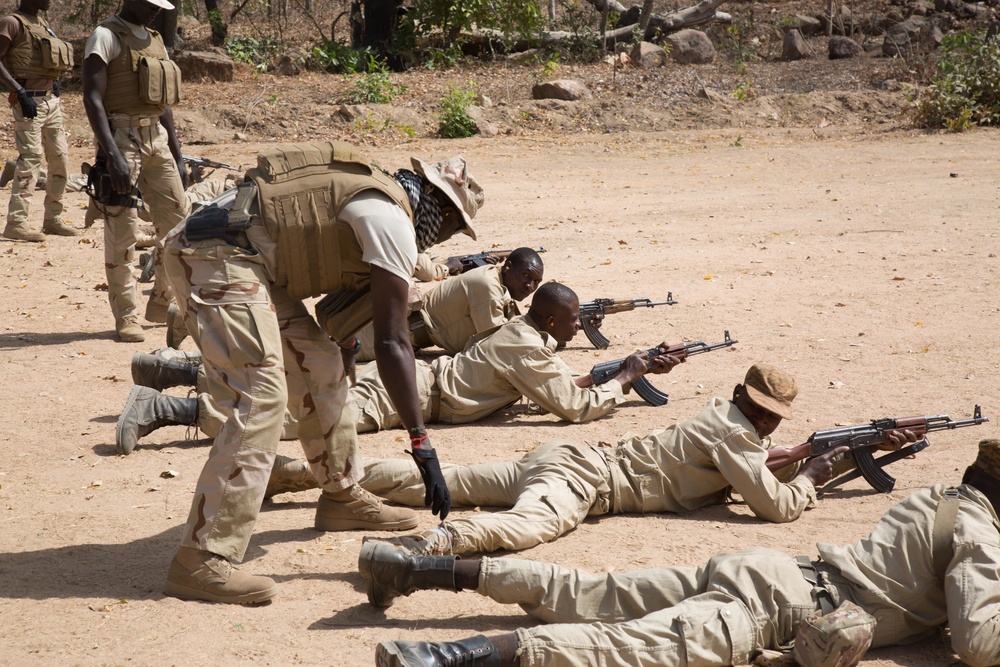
(344, 313)
(717, 635)
(56, 54)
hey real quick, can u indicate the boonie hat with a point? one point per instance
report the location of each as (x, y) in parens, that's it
(988, 459)
(452, 177)
(162, 4)
(838, 639)
(771, 389)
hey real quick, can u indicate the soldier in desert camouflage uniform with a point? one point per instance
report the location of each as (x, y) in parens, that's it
(310, 219)
(931, 561)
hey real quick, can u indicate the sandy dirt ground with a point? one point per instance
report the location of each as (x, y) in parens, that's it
(866, 265)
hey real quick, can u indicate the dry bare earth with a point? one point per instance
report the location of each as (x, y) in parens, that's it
(843, 257)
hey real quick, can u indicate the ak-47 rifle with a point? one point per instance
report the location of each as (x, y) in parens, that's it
(609, 307)
(862, 438)
(485, 258)
(206, 163)
(601, 373)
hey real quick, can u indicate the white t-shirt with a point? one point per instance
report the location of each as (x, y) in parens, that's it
(107, 45)
(384, 231)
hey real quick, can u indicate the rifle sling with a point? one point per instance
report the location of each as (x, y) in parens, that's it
(944, 530)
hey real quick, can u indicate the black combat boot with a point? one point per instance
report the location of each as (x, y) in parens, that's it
(147, 410)
(475, 651)
(149, 370)
(391, 572)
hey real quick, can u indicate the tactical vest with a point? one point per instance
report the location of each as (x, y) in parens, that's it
(301, 189)
(141, 80)
(39, 54)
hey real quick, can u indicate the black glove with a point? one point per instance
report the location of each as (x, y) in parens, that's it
(437, 494)
(27, 102)
(56, 89)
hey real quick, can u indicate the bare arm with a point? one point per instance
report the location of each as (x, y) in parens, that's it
(5, 76)
(393, 351)
(95, 85)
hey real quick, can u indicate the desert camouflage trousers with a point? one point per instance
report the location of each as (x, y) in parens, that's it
(262, 352)
(719, 614)
(154, 171)
(33, 136)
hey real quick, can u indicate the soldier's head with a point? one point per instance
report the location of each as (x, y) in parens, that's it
(765, 397)
(984, 473)
(143, 12)
(450, 197)
(33, 6)
(555, 308)
(522, 273)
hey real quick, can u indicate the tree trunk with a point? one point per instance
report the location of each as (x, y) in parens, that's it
(165, 23)
(219, 27)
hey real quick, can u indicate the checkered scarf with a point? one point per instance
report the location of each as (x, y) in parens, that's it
(426, 210)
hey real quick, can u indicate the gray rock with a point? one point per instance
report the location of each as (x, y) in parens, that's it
(648, 56)
(204, 65)
(914, 35)
(920, 8)
(485, 127)
(561, 89)
(291, 63)
(795, 47)
(807, 25)
(843, 47)
(691, 47)
(350, 112)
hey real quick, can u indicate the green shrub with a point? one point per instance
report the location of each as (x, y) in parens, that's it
(511, 18)
(342, 59)
(252, 50)
(455, 120)
(965, 91)
(375, 87)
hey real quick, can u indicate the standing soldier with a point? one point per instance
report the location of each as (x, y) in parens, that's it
(31, 60)
(129, 84)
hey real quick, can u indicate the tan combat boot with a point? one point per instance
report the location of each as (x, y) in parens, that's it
(356, 509)
(176, 329)
(201, 575)
(58, 228)
(20, 231)
(129, 330)
(289, 476)
(156, 312)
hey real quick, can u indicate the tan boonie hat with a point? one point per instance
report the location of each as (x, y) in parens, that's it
(988, 459)
(771, 389)
(452, 177)
(839, 639)
(162, 4)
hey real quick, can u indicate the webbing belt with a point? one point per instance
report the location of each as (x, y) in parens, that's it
(811, 575)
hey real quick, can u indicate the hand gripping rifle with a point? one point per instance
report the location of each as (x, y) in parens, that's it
(609, 307)
(485, 258)
(861, 438)
(601, 373)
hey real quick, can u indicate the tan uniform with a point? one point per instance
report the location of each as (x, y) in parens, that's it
(36, 64)
(685, 466)
(262, 352)
(142, 141)
(517, 360)
(455, 311)
(741, 603)
(427, 270)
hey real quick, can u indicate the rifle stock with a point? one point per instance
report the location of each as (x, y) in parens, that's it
(590, 309)
(863, 438)
(475, 260)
